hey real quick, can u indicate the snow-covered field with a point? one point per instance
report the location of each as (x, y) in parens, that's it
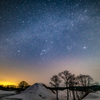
(6, 93)
(40, 92)
(93, 96)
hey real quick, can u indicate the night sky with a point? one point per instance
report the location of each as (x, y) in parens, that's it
(39, 38)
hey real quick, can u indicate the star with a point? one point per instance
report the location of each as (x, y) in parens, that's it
(84, 47)
(18, 51)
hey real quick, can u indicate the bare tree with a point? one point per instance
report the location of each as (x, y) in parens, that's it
(77, 87)
(84, 81)
(65, 75)
(55, 82)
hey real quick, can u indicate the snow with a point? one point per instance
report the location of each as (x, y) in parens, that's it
(35, 92)
(6, 92)
(93, 96)
(39, 92)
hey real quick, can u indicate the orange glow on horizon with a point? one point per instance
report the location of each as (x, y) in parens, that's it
(7, 83)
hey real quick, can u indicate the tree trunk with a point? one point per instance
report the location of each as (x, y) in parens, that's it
(57, 95)
(67, 94)
(73, 95)
(78, 98)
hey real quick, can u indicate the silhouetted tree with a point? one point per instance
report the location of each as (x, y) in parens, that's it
(77, 87)
(55, 81)
(66, 75)
(23, 85)
(84, 81)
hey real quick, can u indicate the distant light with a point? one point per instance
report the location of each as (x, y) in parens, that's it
(7, 83)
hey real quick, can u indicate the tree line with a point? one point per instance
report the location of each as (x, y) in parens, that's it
(21, 86)
(70, 80)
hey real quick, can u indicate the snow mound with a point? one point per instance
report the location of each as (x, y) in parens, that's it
(34, 88)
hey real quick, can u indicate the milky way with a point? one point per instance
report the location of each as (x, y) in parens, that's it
(42, 30)
(45, 30)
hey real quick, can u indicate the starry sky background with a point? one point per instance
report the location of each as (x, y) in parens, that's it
(39, 38)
